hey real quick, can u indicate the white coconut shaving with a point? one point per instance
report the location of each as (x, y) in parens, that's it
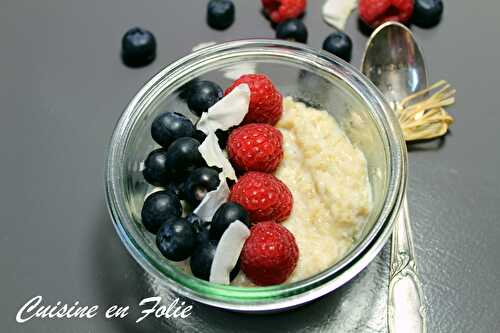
(214, 156)
(234, 72)
(336, 12)
(227, 112)
(202, 45)
(228, 251)
(213, 200)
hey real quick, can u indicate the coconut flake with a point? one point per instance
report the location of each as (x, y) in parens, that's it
(214, 156)
(234, 72)
(227, 112)
(228, 251)
(213, 200)
(336, 12)
(202, 45)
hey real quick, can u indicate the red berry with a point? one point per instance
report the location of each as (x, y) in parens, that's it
(264, 197)
(266, 102)
(376, 12)
(270, 254)
(255, 147)
(282, 10)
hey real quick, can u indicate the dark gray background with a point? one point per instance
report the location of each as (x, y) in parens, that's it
(63, 87)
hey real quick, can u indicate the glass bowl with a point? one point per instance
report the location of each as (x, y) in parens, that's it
(309, 75)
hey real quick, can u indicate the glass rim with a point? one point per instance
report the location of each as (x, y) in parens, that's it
(259, 299)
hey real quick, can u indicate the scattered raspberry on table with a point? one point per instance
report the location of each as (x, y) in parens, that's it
(264, 196)
(282, 10)
(270, 254)
(255, 147)
(376, 12)
(266, 102)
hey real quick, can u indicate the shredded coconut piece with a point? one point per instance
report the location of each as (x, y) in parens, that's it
(228, 251)
(214, 156)
(213, 200)
(336, 12)
(227, 112)
(202, 45)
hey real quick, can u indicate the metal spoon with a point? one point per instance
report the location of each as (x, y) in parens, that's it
(394, 63)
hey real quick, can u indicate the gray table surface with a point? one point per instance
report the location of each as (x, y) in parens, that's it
(63, 87)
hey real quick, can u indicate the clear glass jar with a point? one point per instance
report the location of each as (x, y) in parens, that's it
(310, 75)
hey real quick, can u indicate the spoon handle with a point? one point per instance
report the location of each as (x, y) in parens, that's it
(406, 310)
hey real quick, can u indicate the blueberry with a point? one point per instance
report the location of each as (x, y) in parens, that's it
(202, 258)
(220, 14)
(221, 135)
(293, 29)
(169, 126)
(176, 239)
(339, 44)
(195, 221)
(155, 170)
(203, 95)
(199, 135)
(138, 47)
(159, 207)
(199, 183)
(427, 13)
(183, 157)
(224, 216)
(185, 90)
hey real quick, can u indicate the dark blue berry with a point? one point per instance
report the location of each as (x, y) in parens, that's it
(176, 239)
(203, 95)
(169, 126)
(138, 47)
(195, 221)
(202, 258)
(294, 30)
(159, 207)
(220, 14)
(155, 170)
(224, 216)
(183, 157)
(221, 135)
(339, 44)
(427, 13)
(199, 183)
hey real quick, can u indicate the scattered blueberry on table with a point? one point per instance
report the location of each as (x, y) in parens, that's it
(339, 44)
(138, 47)
(159, 207)
(202, 95)
(427, 13)
(220, 14)
(293, 29)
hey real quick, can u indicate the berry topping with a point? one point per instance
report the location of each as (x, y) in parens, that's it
(255, 147)
(169, 126)
(138, 47)
(176, 239)
(158, 208)
(224, 216)
(200, 227)
(183, 157)
(427, 13)
(199, 183)
(155, 170)
(376, 12)
(202, 95)
(293, 29)
(282, 10)
(339, 44)
(202, 258)
(263, 196)
(220, 14)
(266, 102)
(270, 254)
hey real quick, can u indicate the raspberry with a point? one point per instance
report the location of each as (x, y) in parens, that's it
(376, 12)
(270, 254)
(282, 10)
(266, 102)
(255, 147)
(264, 196)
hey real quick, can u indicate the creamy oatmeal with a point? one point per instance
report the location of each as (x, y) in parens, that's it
(328, 178)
